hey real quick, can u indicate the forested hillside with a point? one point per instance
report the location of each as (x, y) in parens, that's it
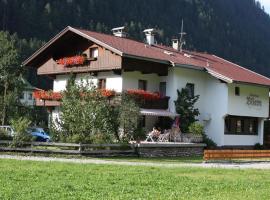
(238, 30)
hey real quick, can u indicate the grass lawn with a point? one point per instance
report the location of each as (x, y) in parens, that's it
(54, 180)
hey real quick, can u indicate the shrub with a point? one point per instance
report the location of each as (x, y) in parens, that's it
(20, 126)
(184, 106)
(129, 115)
(85, 114)
(196, 128)
(209, 142)
(258, 146)
(139, 133)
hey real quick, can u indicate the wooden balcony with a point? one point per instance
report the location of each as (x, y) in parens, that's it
(162, 103)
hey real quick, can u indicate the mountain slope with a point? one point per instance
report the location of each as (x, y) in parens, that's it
(236, 30)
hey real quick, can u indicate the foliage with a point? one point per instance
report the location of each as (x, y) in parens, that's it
(225, 28)
(129, 115)
(29, 180)
(86, 114)
(4, 135)
(47, 95)
(258, 146)
(20, 127)
(164, 123)
(210, 144)
(184, 106)
(139, 134)
(9, 71)
(196, 128)
(143, 95)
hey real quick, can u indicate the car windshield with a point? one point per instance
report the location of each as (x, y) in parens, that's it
(39, 130)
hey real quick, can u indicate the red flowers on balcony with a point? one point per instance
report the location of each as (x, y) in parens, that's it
(47, 95)
(145, 95)
(69, 61)
(57, 96)
(107, 93)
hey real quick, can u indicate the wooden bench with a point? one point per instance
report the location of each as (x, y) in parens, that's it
(233, 154)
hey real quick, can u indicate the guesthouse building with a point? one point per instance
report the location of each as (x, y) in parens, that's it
(233, 102)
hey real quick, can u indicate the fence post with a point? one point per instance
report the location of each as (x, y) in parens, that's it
(80, 148)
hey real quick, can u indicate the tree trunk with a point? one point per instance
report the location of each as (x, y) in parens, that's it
(4, 104)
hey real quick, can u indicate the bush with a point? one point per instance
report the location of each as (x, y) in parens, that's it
(196, 128)
(20, 126)
(139, 134)
(184, 106)
(258, 146)
(209, 142)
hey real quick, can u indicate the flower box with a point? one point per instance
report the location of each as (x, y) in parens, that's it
(70, 61)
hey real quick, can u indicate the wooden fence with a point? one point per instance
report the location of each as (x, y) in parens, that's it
(235, 154)
(70, 148)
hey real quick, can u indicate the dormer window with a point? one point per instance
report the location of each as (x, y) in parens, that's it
(94, 52)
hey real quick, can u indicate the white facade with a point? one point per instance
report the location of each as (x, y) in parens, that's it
(217, 99)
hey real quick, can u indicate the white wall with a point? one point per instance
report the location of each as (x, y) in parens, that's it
(60, 82)
(113, 82)
(131, 79)
(179, 77)
(212, 101)
(216, 104)
(237, 105)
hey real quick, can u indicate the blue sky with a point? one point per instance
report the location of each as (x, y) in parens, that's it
(266, 4)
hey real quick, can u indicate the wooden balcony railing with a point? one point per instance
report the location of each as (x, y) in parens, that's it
(162, 103)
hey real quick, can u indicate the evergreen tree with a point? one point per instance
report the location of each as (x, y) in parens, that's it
(184, 106)
(9, 73)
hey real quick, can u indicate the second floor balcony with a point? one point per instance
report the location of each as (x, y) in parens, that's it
(144, 99)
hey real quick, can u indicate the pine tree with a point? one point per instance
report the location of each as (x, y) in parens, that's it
(184, 106)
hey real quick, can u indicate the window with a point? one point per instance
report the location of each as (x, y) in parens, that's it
(237, 91)
(142, 85)
(236, 125)
(94, 52)
(190, 89)
(162, 88)
(101, 83)
(30, 96)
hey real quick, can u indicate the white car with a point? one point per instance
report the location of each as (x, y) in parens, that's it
(9, 130)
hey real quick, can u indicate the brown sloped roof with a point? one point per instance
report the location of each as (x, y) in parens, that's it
(126, 47)
(167, 54)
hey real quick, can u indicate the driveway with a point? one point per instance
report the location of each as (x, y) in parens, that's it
(255, 165)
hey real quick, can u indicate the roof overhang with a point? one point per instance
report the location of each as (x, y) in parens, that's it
(219, 76)
(157, 113)
(59, 35)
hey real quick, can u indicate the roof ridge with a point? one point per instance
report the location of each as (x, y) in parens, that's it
(109, 35)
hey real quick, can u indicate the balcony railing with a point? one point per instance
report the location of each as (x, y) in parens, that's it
(149, 100)
(162, 103)
(145, 99)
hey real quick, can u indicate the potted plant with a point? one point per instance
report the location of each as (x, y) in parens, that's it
(195, 134)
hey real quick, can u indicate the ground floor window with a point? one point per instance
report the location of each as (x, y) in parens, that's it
(237, 125)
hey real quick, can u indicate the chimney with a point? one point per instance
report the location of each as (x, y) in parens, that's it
(175, 44)
(119, 32)
(150, 36)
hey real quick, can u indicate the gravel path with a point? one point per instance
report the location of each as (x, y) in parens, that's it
(260, 165)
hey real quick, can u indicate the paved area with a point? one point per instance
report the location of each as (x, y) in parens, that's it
(261, 165)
